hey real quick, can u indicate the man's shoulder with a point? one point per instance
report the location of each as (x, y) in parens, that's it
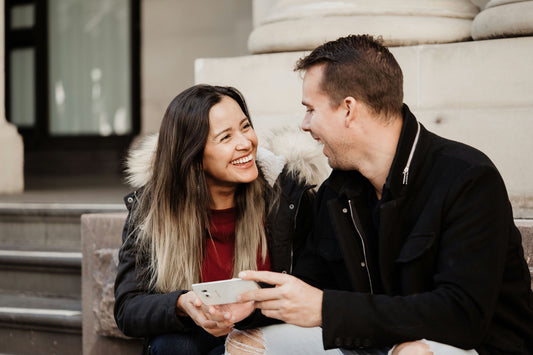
(458, 155)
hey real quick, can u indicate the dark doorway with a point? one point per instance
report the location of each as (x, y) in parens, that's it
(73, 83)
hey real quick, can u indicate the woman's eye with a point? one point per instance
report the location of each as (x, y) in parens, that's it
(225, 138)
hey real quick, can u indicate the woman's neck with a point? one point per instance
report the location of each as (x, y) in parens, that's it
(222, 198)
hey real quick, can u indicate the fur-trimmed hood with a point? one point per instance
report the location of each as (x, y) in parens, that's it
(281, 147)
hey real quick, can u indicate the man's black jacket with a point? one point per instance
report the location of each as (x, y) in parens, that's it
(442, 260)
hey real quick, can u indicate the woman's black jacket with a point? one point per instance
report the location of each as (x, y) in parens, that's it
(141, 312)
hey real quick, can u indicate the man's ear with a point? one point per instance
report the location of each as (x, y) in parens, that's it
(350, 105)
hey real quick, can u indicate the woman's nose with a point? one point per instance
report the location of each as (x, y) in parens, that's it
(243, 143)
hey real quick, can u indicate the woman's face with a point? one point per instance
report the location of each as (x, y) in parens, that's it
(231, 147)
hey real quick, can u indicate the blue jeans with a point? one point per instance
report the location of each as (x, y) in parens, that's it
(196, 342)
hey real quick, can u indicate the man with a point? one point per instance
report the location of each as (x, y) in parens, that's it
(413, 241)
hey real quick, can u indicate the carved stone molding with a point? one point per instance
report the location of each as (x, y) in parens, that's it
(504, 18)
(293, 25)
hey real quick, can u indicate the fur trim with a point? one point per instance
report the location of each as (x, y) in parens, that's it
(303, 154)
(284, 146)
(139, 160)
(271, 165)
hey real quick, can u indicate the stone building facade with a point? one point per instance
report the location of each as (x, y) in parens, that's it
(466, 65)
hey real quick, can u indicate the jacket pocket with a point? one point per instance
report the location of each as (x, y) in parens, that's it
(415, 264)
(415, 247)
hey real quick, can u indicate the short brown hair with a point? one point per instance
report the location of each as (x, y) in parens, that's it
(361, 67)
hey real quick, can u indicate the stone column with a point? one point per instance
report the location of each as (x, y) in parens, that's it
(11, 146)
(293, 25)
(503, 18)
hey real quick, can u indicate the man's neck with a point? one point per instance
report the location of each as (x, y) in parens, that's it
(382, 142)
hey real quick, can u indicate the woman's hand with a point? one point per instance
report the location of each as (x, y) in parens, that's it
(189, 304)
(232, 312)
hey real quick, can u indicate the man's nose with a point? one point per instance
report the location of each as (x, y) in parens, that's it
(306, 123)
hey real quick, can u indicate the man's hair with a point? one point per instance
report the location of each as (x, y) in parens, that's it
(361, 67)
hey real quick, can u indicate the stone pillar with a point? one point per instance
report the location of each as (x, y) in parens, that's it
(294, 25)
(11, 146)
(503, 18)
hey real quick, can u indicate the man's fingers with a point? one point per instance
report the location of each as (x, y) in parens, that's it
(262, 294)
(269, 305)
(276, 314)
(273, 278)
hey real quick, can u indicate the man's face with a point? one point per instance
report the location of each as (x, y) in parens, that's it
(325, 123)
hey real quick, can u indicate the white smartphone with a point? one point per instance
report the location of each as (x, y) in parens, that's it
(224, 291)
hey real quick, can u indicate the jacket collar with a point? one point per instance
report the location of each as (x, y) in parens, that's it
(402, 173)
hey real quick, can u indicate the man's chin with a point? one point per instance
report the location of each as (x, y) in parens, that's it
(332, 164)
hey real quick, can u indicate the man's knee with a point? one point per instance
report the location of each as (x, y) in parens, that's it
(412, 348)
(249, 342)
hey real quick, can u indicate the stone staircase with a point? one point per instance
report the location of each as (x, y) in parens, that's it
(40, 276)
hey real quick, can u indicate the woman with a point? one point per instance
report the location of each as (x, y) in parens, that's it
(207, 209)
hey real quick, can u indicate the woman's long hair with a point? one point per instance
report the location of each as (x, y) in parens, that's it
(173, 211)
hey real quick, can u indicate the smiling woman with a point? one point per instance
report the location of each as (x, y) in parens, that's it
(229, 153)
(204, 212)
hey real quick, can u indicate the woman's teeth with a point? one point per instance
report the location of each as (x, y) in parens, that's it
(242, 160)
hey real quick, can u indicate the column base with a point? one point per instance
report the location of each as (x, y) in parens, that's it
(503, 19)
(306, 34)
(11, 159)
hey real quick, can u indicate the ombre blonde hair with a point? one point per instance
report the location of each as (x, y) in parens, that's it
(172, 213)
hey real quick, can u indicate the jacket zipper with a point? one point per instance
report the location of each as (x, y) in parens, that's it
(406, 169)
(297, 207)
(358, 230)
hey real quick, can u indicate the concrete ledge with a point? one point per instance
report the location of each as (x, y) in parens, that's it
(41, 258)
(69, 320)
(101, 238)
(526, 228)
(11, 158)
(57, 209)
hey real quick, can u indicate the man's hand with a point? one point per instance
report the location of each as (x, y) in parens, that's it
(291, 300)
(189, 304)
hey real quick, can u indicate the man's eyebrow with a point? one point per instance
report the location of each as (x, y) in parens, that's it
(305, 103)
(229, 128)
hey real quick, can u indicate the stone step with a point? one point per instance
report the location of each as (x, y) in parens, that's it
(45, 273)
(45, 226)
(39, 325)
(526, 229)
